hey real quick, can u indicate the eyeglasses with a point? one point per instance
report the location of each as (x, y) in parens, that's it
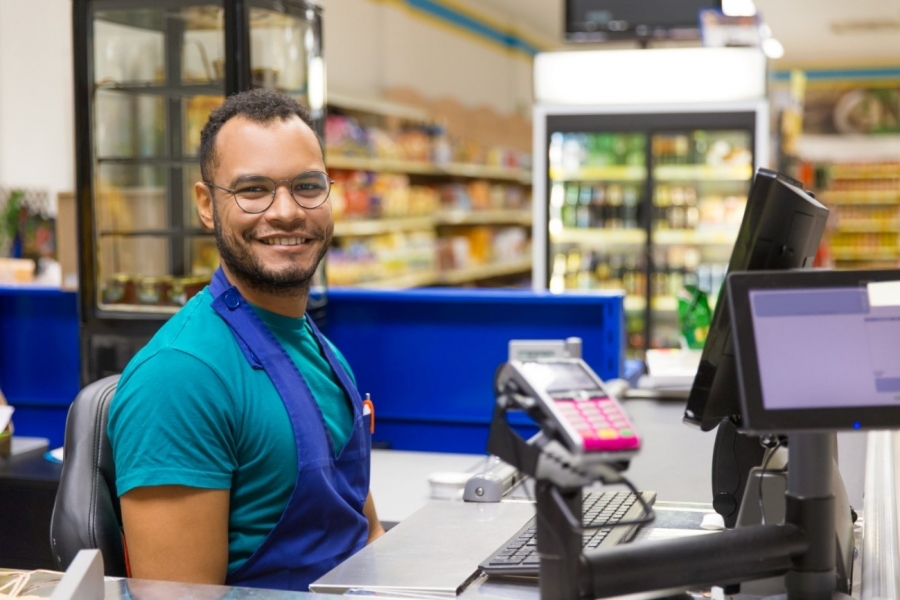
(254, 194)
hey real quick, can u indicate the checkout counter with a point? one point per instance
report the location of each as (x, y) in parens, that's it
(432, 534)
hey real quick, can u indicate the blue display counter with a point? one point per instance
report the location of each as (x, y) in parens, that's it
(426, 356)
(39, 364)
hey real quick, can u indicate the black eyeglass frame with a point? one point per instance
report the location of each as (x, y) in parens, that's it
(275, 185)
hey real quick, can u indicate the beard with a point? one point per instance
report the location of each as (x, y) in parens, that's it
(247, 267)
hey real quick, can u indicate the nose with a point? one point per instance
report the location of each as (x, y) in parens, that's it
(284, 207)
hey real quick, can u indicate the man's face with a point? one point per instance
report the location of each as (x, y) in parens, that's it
(275, 251)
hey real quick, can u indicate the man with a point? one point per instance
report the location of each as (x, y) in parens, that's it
(240, 442)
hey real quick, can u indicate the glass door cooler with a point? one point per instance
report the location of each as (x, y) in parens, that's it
(147, 75)
(647, 202)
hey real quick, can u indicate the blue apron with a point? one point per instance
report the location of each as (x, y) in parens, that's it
(323, 523)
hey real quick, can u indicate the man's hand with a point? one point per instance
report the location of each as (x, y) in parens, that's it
(375, 528)
(177, 533)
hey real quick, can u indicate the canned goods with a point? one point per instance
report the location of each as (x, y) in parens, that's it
(177, 295)
(153, 290)
(119, 289)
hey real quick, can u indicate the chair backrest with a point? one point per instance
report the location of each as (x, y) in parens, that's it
(86, 513)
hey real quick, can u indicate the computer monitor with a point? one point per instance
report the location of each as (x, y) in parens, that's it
(781, 229)
(817, 350)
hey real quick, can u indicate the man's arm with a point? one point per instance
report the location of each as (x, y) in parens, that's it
(375, 528)
(177, 533)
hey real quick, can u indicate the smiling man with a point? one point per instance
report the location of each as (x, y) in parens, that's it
(238, 435)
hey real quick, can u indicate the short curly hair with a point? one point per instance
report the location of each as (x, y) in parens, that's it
(260, 106)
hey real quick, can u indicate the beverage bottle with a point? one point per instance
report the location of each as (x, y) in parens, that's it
(614, 202)
(661, 207)
(636, 149)
(676, 211)
(570, 205)
(555, 152)
(598, 206)
(583, 211)
(630, 207)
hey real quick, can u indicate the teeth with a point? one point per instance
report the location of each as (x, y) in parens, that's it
(291, 241)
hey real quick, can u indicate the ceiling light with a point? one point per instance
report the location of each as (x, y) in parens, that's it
(738, 8)
(772, 48)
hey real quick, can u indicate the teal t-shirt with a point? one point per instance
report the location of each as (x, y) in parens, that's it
(190, 410)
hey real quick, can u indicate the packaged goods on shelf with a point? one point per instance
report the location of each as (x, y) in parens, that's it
(864, 200)
(378, 259)
(416, 142)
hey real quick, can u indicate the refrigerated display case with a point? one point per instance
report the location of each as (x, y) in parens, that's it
(147, 74)
(646, 199)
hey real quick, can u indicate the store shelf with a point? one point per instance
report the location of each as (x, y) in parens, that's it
(408, 280)
(703, 172)
(376, 106)
(451, 277)
(868, 227)
(600, 237)
(608, 173)
(865, 254)
(382, 226)
(384, 165)
(469, 274)
(674, 237)
(857, 197)
(484, 217)
(665, 304)
(660, 304)
(150, 88)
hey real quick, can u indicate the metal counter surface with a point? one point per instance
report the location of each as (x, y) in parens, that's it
(435, 551)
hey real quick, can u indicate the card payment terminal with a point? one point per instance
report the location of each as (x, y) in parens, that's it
(572, 401)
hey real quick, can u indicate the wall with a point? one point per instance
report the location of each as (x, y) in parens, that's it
(36, 112)
(446, 48)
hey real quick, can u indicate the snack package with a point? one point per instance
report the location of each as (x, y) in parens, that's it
(694, 317)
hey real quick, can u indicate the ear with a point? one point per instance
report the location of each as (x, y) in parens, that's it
(204, 204)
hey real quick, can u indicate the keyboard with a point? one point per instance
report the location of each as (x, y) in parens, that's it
(518, 556)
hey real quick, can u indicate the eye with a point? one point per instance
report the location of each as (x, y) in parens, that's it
(309, 187)
(252, 189)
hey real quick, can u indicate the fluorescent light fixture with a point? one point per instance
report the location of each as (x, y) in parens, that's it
(772, 48)
(650, 76)
(738, 8)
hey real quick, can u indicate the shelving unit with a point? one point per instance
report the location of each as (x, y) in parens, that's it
(410, 222)
(864, 199)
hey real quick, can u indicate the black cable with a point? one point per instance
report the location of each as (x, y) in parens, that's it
(578, 525)
(762, 476)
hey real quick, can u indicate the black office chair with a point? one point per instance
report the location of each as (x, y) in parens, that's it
(86, 513)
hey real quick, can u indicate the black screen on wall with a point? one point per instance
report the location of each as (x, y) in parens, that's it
(603, 20)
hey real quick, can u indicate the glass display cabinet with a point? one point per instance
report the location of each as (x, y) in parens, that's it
(147, 75)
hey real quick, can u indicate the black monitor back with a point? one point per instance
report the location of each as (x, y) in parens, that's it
(781, 229)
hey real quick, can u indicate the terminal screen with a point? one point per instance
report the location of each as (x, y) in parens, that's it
(558, 376)
(828, 347)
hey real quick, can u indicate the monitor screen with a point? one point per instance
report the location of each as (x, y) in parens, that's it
(605, 20)
(781, 229)
(817, 350)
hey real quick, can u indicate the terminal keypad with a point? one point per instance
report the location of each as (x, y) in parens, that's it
(601, 423)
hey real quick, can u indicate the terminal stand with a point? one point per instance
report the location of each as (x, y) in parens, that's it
(803, 548)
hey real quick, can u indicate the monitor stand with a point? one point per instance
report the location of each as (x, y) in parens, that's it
(812, 505)
(774, 484)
